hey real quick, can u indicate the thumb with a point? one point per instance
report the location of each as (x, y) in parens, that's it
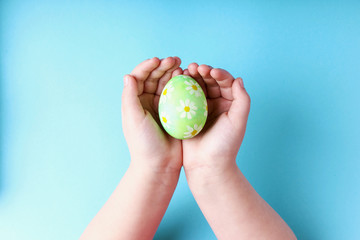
(131, 106)
(240, 107)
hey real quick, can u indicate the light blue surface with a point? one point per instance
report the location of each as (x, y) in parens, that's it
(62, 146)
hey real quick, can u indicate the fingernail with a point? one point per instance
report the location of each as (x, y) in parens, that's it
(126, 80)
(241, 83)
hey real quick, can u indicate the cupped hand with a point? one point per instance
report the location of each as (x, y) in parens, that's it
(149, 145)
(217, 145)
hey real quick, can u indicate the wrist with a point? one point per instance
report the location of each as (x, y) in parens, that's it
(205, 175)
(158, 163)
(212, 187)
(164, 177)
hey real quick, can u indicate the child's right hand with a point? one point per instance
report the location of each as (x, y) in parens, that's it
(214, 150)
(149, 146)
(229, 203)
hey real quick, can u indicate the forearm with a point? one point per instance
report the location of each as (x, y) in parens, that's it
(136, 207)
(232, 207)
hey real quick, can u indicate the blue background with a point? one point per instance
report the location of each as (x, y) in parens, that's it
(62, 146)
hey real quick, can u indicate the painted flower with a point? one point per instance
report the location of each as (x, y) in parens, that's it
(166, 93)
(206, 108)
(187, 109)
(165, 121)
(193, 87)
(192, 131)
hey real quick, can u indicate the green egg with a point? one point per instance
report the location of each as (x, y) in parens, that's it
(182, 107)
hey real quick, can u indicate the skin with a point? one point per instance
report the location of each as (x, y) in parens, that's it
(137, 205)
(231, 206)
(229, 203)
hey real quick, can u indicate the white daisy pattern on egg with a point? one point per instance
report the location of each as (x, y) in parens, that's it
(193, 87)
(192, 131)
(187, 109)
(166, 93)
(206, 108)
(165, 120)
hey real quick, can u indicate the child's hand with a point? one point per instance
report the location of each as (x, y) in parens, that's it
(216, 146)
(136, 207)
(232, 207)
(149, 146)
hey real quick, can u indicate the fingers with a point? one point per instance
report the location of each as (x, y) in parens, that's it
(142, 71)
(163, 79)
(212, 87)
(240, 107)
(170, 73)
(194, 73)
(165, 69)
(130, 105)
(225, 80)
(177, 72)
(216, 82)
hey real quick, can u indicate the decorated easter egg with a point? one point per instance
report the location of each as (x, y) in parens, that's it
(182, 107)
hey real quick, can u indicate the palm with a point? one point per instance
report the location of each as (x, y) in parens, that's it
(141, 124)
(217, 137)
(223, 128)
(160, 145)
